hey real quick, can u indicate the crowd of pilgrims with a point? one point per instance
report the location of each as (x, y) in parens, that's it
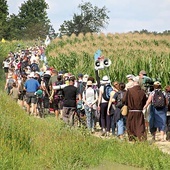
(65, 95)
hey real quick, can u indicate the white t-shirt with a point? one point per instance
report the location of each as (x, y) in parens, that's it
(90, 95)
(6, 64)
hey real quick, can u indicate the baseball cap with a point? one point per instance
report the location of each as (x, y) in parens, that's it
(80, 75)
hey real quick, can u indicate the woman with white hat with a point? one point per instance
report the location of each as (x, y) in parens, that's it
(102, 106)
(90, 98)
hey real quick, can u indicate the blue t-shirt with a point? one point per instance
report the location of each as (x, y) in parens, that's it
(31, 85)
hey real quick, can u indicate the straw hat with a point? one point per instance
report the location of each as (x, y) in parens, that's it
(89, 83)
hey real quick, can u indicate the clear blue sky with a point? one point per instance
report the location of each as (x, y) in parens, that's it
(125, 15)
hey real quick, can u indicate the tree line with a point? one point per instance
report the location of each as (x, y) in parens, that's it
(32, 21)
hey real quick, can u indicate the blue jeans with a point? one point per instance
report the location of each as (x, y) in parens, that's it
(120, 127)
(90, 117)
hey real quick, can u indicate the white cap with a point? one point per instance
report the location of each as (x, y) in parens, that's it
(130, 76)
(136, 79)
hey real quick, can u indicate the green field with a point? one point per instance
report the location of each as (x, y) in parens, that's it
(129, 54)
(27, 143)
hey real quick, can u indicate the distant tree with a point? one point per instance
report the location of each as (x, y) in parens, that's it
(32, 20)
(14, 27)
(166, 32)
(144, 31)
(91, 19)
(3, 19)
(52, 33)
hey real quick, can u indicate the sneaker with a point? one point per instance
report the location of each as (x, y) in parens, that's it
(92, 130)
(107, 134)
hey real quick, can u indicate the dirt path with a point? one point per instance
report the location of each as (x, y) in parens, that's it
(164, 146)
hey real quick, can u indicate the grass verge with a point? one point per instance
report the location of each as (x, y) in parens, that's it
(29, 143)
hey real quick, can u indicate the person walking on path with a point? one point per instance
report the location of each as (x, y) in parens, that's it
(118, 119)
(14, 92)
(69, 102)
(102, 106)
(31, 86)
(90, 98)
(157, 114)
(135, 99)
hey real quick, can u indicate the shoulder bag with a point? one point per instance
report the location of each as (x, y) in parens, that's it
(124, 109)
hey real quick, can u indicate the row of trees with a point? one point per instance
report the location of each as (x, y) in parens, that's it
(144, 31)
(32, 21)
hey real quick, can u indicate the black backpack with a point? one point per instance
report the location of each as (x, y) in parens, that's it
(159, 100)
(119, 103)
(34, 67)
(81, 87)
(168, 96)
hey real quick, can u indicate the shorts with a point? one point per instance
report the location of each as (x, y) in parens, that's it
(58, 104)
(31, 98)
(22, 95)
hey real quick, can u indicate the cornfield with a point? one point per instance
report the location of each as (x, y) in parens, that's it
(129, 54)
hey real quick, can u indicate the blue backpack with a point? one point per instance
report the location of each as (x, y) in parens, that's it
(107, 90)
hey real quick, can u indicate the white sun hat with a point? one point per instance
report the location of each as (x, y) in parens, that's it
(105, 80)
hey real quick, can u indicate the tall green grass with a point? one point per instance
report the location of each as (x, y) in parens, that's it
(30, 143)
(129, 54)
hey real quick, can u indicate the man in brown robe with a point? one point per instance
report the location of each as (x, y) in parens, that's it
(135, 99)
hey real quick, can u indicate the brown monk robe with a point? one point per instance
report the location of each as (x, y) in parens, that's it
(135, 98)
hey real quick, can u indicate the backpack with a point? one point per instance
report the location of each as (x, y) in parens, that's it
(34, 67)
(46, 79)
(10, 82)
(107, 90)
(119, 103)
(159, 99)
(94, 93)
(168, 96)
(81, 87)
(80, 104)
(58, 94)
